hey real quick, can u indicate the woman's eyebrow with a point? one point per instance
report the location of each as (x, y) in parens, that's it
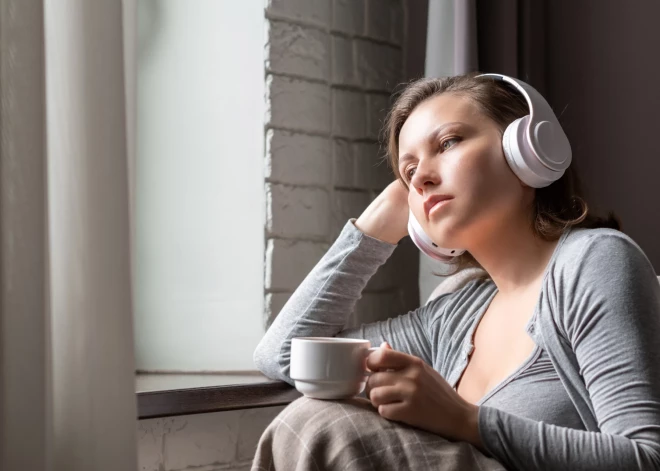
(432, 136)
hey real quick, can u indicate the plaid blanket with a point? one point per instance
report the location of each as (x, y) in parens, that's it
(347, 435)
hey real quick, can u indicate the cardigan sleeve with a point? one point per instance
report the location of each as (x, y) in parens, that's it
(323, 303)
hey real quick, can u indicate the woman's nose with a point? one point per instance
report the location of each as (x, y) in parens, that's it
(424, 177)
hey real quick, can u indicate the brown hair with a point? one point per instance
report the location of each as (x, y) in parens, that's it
(556, 207)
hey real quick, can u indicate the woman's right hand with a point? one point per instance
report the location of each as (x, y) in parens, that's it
(386, 218)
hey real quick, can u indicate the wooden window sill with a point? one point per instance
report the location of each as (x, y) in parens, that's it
(166, 394)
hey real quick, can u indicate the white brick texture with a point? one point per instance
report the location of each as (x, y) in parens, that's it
(180, 442)
(297, 105)
(216, 441)
(204, 440)
(324, 163)
(384, 20)
(346, 205)
(372, 170)
(297, 212)
(348, 16)
(344, 163)
(377, 108)
(274, 304)
(312, 11)
(344, 70)
(297, 50)
(298, 159)
(289, 261)
(349, 113)
(378, 65)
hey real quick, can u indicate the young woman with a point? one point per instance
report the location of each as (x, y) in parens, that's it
(552, 361)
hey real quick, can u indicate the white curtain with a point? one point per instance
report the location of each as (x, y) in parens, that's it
(67, 394)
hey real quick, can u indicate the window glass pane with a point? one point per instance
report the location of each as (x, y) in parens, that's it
(199, 185)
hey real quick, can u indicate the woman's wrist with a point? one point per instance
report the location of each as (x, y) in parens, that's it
(470, 432)
(376, 222)
(376, 231)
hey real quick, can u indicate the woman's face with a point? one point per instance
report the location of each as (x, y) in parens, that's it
(448, 147)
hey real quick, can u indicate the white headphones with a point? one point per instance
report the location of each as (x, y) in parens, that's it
(535, 146)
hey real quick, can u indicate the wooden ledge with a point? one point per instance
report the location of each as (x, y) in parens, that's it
(162, 395)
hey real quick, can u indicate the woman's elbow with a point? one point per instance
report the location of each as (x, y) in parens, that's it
(267, 361)
(262, 358)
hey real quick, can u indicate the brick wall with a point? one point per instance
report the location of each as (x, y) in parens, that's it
(331, 66)
(204, 442)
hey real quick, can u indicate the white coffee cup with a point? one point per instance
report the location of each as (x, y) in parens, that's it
(329, 367)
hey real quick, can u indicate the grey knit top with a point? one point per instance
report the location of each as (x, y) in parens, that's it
(587, 398)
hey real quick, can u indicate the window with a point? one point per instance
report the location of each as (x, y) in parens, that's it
(199, 185)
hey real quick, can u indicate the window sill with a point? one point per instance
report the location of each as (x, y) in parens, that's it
(166, 395)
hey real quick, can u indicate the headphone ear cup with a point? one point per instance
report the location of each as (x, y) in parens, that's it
(523, 159)
(536, 147)
(426, 245)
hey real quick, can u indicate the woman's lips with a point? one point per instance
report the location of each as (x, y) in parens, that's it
(435, 202)
(438, 206)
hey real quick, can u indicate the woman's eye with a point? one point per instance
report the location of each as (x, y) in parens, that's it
(410, 172)
(444, 145)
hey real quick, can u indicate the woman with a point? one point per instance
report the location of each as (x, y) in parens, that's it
(552, 361)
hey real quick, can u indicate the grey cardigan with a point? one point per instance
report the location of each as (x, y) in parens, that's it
(598, 317)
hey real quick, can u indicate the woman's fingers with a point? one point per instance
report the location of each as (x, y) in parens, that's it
(378, 379)
(382, 378)
(388, 386)
(385, 395)
(393, 411)
(388, 359)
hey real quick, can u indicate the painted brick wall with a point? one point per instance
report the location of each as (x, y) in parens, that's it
(202, 442)
(331, 66)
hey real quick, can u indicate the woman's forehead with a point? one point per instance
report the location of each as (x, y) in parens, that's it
(439, 112)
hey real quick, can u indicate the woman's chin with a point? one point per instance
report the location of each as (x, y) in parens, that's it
(444, 235)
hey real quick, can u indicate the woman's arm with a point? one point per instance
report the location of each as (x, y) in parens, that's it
(323, 302)
(609, 300)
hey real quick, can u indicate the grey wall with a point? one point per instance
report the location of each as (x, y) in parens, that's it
(608, 85)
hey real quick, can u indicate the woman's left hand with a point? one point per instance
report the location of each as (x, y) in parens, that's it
(405, 389)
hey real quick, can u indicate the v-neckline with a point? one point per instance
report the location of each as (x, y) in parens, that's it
(535, 351)
(470, 343)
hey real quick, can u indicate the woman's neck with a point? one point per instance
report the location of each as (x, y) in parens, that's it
(513, 256)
